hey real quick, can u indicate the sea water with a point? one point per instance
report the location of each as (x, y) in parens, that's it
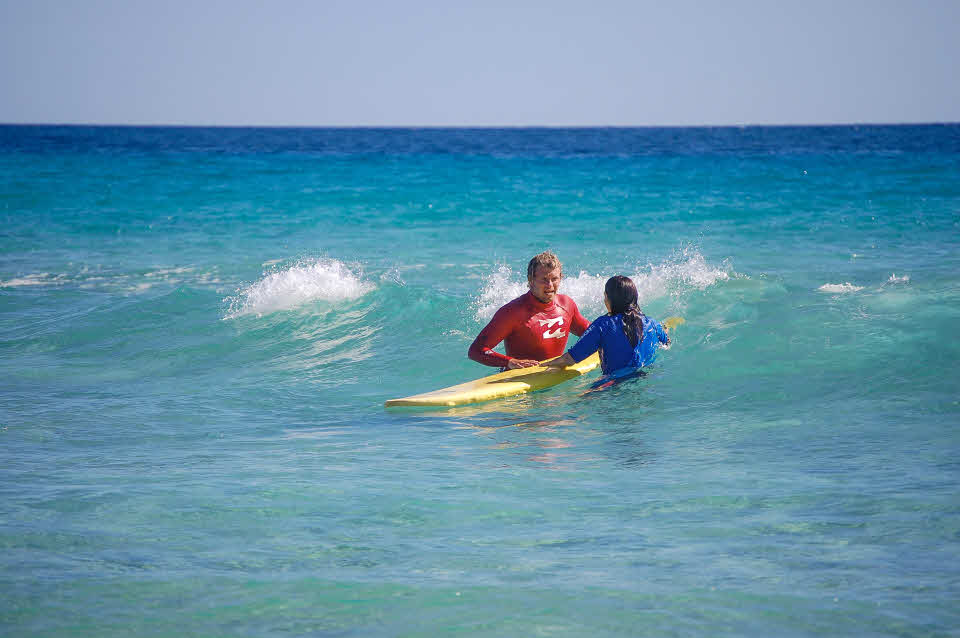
(199, 328)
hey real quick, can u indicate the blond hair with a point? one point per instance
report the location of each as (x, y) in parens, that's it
(546, 259)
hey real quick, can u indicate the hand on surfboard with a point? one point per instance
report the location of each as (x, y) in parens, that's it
(514, 364)
(669, 324)
(562, 361)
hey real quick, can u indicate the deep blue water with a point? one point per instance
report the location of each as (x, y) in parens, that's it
(199, 327)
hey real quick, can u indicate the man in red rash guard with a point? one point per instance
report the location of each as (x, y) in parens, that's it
(535, 325)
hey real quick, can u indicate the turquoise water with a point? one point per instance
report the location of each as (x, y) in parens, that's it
(199, 327)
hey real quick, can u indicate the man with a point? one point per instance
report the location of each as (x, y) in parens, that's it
(535, 325)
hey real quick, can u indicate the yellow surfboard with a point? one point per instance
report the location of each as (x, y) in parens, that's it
(508, 383)
(496, 386)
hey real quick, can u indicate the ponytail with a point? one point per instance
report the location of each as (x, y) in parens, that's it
(622, 294)
(633, 324)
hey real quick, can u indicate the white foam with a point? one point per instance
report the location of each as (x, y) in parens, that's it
(586, 290)
(304, 282)
(839, 288)
(38, 279)
(98, 279)
(898, 280)
(499, 288)
(683, 271)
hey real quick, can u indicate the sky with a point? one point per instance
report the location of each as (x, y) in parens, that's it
(489, 63)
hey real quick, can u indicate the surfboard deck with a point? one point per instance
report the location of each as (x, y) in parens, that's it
(508, 383)
(496, 386)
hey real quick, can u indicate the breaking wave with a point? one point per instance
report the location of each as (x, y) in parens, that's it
(687, 270)
(304, 282)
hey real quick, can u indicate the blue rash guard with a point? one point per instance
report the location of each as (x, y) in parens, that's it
(617, 356)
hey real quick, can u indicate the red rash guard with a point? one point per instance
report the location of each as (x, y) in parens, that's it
(530, 329)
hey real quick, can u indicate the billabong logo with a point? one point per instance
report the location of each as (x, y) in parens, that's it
(549, 323)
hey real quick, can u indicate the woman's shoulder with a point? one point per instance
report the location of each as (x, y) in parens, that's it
(605, 320)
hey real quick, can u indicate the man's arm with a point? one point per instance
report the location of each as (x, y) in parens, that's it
(481, 352)
(482, 348)
(578, 323)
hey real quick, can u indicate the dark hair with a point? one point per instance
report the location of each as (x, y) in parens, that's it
(622, 294)
(547, 259)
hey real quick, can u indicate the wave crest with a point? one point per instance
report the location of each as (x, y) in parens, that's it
(681, 272)
(304, 282)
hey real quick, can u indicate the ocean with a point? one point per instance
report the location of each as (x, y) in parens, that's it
(199, 328)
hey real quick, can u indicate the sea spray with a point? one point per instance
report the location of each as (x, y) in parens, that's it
(684, 271)
(306, 281)
(894, 279)
(499, 287)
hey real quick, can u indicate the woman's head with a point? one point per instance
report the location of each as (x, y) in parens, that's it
(620, 295)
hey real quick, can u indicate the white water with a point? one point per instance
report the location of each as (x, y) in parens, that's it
(685, 271)
(304, 282)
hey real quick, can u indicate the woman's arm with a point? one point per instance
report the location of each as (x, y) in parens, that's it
(562, 361)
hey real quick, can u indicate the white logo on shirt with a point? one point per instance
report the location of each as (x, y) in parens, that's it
(549, 323)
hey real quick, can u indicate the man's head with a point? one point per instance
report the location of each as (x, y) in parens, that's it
(544, 273)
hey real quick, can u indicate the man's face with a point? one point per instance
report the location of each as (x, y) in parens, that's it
(545, 283)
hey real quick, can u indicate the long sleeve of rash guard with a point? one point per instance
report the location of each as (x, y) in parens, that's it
(481, 350)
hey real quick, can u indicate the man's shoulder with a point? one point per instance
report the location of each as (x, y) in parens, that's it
(567, 303)
(514, 307)
(518, 302)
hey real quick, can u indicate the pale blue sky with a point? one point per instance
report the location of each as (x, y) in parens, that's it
(490, 63)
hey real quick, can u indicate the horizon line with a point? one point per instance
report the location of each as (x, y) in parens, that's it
(477, 126)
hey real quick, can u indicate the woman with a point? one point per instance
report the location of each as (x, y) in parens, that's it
(626, 338)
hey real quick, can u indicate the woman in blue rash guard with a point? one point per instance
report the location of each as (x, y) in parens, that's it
(626, 338)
